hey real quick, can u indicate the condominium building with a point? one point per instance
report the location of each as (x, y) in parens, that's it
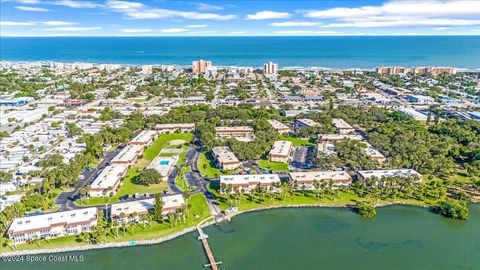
(171, 128)
(131, 211)
(305, 180)
(342, 126)
(339, 137)
(279, 126)
(225, 159)
(270, 69)
(379, 174)
(248, 182)
(393, 70)
(200, 66)
(281, 151)
(108, 180)
(52, 225)
(374, 153)
(128, 155)
(305, 123)
(241, 133)
(145, 137)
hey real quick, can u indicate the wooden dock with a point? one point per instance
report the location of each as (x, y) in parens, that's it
(203, 237)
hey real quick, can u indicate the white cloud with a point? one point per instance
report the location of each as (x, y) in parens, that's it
(33, 9)
(305, 32)
(196, 26)
(267, 15)
(174, 30)
(139, 11)
(77, 4)
(73, 29)
(402, 14)
(442, 28)
(58, 23)
(10, 23)
(205, 6)
(290, 24)
(239, 33)
(136, 30)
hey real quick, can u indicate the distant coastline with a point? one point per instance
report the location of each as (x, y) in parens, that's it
(326, 52)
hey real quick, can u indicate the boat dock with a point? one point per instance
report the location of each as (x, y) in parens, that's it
(203, 237)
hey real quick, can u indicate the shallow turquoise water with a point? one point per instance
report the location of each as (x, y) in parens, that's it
(400, 237)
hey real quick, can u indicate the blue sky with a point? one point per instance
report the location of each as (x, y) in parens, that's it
(237, 18)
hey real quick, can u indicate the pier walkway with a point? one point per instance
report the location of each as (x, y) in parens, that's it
(203, 237)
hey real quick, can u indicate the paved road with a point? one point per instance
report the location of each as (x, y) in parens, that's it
(66, 199)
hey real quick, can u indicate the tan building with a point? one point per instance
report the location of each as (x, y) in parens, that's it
(305, 123)
(201, 66)
(108, 180)
(241, 133)
(171, 128)
(128, 155)
(248, 182)
(305, 180)
(145, 137)
(225, 158)
(281, 151)
(379, 174)
(339, 137)
(279, 126)
(342, 126)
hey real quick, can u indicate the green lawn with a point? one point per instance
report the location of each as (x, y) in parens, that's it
(198, 211)
(127, 185)
(273, 166)
(207, 168)
(296, 141)
(180, 180)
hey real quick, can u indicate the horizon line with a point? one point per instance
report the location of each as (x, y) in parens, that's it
(239, 36)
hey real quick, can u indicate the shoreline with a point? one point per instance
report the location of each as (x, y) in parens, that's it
(182, 232)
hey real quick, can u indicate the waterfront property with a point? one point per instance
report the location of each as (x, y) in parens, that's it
(281, 151)
(126, 212)
(248, 182)
(342, 126)
(52, 225)
(108, 180)
(241, 133)
(225, 158)
(387, 174)
(171, 128)
(305, 123)
(163, 165)
(128, 155)
(145, 137)
(305, 180)
(279, 126)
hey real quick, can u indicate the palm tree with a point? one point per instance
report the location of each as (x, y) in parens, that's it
(9, 243)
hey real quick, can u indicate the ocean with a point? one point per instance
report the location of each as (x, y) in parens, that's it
(364, 52)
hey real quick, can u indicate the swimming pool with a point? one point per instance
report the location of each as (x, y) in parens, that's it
(164, 162)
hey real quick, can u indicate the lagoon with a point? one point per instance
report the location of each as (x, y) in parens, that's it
(400, 237)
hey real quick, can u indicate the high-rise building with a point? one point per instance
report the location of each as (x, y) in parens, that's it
(147, 69)
(201, 66)
(270, 68)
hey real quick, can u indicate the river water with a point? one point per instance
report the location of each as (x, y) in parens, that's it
(400, 237)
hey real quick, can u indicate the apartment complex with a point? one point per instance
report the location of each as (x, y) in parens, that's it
(171, 128)
(305, 180)
(279, 126)
(305, 123)
(52, 225)
(131, 211)
(108, 180)
(434, 71)
(379, 174)
(241, 133)
(200, 66)
(225, 158)
(342, 126)
(248, 182)
(270, 69)
(128, 155)
(339, 137)
(145, 137)
(281, 151)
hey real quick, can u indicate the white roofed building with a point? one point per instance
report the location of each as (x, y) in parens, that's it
(145, 137)
(248, 182)
(131, 211)
(108, 180)
(225, 158)
(382, 174)
(305, 123)
(241, 133)
(281, 151)
(305, 180)
(342, 126)
(128, 155)
(171, 128)
(52, 225)
(339, 137)
(279, 126)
